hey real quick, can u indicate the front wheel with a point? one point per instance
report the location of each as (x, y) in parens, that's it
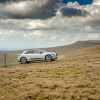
(23, 60)
(48, 58)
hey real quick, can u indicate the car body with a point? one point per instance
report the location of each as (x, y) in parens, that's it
(34, 55)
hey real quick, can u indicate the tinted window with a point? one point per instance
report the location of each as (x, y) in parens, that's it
(38, 51)
(29, 52)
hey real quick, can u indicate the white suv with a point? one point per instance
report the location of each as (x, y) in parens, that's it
(33, 55)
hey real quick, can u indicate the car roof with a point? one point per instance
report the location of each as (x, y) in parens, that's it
(39, 50)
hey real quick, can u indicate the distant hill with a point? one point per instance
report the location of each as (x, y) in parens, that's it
(75, 46)
(84, 44)
(72, 49)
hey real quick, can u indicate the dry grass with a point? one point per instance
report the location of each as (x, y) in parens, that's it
(10, 57)
(72, 77)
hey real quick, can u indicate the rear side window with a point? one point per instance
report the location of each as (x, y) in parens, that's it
(29, 52)
(38, 51)
(34, 51)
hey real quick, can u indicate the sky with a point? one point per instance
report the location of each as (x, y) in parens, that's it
(46, 23)
(81, 2)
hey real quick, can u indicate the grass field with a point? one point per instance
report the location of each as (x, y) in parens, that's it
(74, 76)
(10, 57)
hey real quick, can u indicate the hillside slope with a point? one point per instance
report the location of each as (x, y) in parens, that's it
(74, 77)
(61, 50)
(75, 46)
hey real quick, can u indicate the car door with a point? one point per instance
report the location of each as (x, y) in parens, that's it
(37, 55)
(30, 54)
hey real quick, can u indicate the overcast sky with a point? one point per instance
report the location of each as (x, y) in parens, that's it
(44, 23)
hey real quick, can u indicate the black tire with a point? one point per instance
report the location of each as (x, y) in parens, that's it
(23, 60)
(48, 58)
(53, 59)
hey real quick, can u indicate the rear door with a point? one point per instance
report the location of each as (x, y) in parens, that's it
(37, 55)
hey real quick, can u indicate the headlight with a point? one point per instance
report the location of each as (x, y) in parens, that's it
(54, 55)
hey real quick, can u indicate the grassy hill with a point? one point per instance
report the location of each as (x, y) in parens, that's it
(75, 76)
(61, 50)
(75, 46)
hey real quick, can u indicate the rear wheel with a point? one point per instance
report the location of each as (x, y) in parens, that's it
(48, 58)
(23, 60)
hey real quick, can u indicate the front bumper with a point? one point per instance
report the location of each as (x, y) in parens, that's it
(54, 57)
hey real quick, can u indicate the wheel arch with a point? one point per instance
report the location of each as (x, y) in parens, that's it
(23, 57)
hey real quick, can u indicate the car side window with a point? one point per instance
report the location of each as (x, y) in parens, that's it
(38, 52)
(33, 52)
(29, 52)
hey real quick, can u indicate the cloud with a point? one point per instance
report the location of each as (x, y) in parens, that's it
(69, 11)
(39, 9)
(28, 9)
(58, 30)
